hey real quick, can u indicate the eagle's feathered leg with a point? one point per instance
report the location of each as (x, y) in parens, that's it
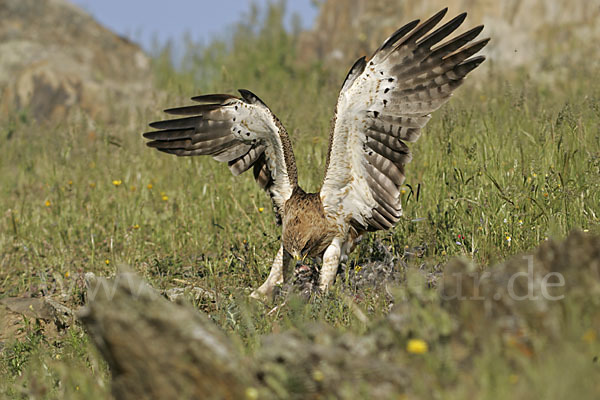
(275, 278)
(331, 260)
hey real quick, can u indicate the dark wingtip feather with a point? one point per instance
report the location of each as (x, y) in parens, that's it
(169, 134)
(442, 32)
(459, 19)
(155, 125)
(357, 68)
(426, 26)
(482, 43)
(213, 98)
(154, 144)
(179, 123)
(148, 135)
(477, 30)
(440, 14)
(250, 97)
(394, 37)
(472, 63)
(192, 110)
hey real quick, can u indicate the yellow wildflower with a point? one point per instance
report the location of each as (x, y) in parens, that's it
(416, 346)
(47, 203)
(136, 226)
(260, 209)
(165, 197)
(117, 182)
(318, 375)
(70, 182)
(107, 261)
(133, 188)
(149, 186)
(67, 274)
(589, 336)
(92, 185)
(251, 393)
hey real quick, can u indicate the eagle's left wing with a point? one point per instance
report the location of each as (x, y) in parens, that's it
(240, 131)
(384, 103)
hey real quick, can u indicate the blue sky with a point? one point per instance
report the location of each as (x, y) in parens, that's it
(143, 20)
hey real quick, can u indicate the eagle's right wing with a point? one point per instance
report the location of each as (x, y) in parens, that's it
(384, 103)
(240, 131)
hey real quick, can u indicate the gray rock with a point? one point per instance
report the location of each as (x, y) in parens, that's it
(46, 309)
(159, 349)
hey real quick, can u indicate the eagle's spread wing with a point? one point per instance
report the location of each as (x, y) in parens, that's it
(384, 103)
(242, 132)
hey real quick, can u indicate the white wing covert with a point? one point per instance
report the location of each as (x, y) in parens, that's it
(383, 103)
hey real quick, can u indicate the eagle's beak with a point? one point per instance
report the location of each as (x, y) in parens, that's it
(298, 258)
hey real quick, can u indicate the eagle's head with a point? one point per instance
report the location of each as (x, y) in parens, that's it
(305, 231)
(298, 243)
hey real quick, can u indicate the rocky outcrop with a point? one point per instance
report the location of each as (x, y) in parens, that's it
(55, 60)
(543, 37)
(157, 349)
(522, 308)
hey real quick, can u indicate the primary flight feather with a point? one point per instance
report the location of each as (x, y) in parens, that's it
(383, 104)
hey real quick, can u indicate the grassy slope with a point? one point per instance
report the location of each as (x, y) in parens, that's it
(505, 165)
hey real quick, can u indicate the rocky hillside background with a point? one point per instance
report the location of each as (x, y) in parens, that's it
(56, 59)
(545, 38)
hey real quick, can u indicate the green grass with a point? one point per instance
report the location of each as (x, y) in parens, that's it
(506, 164)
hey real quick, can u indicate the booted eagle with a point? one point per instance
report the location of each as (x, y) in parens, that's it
(383, 104)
